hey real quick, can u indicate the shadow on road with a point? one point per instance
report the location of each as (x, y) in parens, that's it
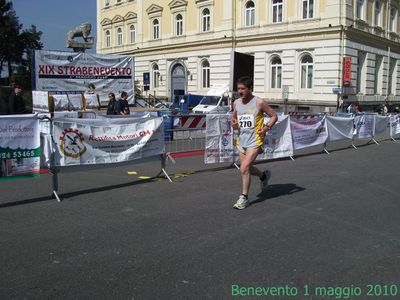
(277, 190)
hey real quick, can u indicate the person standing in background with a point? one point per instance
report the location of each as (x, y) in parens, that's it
(122, 106)
(111, 106)
(16, 104)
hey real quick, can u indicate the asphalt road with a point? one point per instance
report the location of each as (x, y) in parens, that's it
(326, 224)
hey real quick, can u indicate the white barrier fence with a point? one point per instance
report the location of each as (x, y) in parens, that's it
(296, 132)
(67, 141)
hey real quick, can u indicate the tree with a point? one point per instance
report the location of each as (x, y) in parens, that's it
(16, 46)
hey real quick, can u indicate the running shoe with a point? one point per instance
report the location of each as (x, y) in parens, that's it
(242, 202)
(264, 183)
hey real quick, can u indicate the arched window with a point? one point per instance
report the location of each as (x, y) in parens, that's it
(306, 66)
(132, 34)
(393, 19)
(276, 73)
(250, 14)
(119, 36)
(377, 13)
(107, 39)
(205, 74)
(205, 20)
(156, 29)
(156, 76)
(360, 9)
(308, 9)
(277, 11)
(179, 24)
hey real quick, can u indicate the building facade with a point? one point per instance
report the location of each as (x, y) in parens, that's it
(298, 46)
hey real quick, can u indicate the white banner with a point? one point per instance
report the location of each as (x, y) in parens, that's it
(381, 123)
(59, 71)
(364, 126)
(278, 141)
(339, 128)
(394, 124)
(308, 130)
(19, 146)
(91, 141)
(219, 140)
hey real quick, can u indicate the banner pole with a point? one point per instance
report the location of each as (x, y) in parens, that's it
(54, 169)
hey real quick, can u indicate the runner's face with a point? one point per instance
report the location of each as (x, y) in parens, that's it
(244, 91)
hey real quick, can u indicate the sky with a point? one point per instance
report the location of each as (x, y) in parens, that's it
(55, 18)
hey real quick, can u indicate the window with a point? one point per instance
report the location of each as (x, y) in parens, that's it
(156, 76)
(132, 34)
(360, 72)
(359, 9)
(107, 39)
(250, 14)
(393, 19)
(119, 36)
(277, 7)
(378, 75)
(156, 29)
(392, 77)
(118, 1)
(205, 74)
(377, 13)
(106, 3)
(308, 9)
(276, 73)
(179, 24)
(205, 20)
(306, 72)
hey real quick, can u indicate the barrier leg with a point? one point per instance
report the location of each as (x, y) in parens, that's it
(55, 184)
(163, 164)
(326, 151)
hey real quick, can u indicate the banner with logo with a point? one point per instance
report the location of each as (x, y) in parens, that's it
(364, 126)
(278, 141)
(19, 146)
(394, 125)
(339, 128)
(219, 139)
(308, 130)
(58, 71)
(91, 141)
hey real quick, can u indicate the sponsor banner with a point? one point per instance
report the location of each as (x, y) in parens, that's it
(364, 126)
(339, 128)
(91, 141)
(58, 71)
(219, 139)
(308, 130)
(381, 123)
(394, 124)
(278, 141)
(40, 101)
(19, 146)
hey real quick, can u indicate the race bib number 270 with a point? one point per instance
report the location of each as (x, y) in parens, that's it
(246, 121)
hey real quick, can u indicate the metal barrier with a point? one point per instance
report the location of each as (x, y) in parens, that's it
(188, 135)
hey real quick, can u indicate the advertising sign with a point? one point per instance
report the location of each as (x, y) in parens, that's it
(19, 146)
(57, 71)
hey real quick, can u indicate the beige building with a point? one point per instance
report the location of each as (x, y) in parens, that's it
(298, 47)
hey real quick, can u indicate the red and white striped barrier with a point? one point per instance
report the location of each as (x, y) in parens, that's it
(192, 122)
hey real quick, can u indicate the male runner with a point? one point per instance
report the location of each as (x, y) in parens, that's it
(248, 119)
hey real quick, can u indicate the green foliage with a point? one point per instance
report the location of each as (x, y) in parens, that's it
(16, 45)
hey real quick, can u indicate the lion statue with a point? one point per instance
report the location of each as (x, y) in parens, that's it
(81, 31)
